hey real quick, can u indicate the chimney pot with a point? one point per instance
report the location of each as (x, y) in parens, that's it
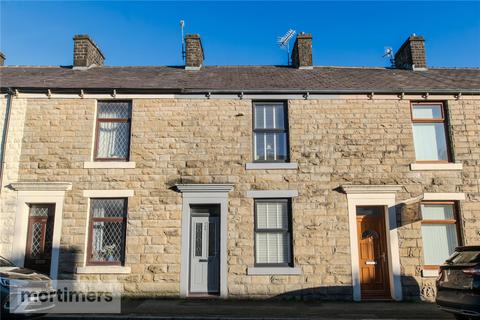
(85, 52)
(2, 59)
(411, 54)
(302, 51)
(193, 52)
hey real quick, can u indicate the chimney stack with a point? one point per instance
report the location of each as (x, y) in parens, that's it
(302, 51)
(85, 52)
(411, 54)
(193, 52)
(2, 59)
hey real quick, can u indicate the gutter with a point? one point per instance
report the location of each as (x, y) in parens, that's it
(45, 90)
(6, 126)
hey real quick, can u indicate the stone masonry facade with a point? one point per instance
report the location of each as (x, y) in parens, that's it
(335, 141)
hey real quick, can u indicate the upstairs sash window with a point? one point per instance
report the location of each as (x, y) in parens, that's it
(113, 131)
(270, 132)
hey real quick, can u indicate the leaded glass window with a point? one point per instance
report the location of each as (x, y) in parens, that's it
(113, 130)
(107, 231)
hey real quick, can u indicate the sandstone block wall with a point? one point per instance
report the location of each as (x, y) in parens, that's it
(335, 142)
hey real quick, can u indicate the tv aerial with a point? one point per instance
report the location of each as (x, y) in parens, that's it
(182, 26)
(284, 42)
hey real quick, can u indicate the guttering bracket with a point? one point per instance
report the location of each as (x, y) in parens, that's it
(401, 95)
(306, 95)
(82, 94)
(208, 95)
(114, 93)
(425, 95)
(49, 94)
(240, 95)
(458, 96)
(16, 93)
(370, 95)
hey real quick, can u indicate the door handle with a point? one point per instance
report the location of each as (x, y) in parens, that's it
(370, 262)
(203, 260)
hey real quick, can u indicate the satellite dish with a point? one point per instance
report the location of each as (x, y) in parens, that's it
(388, 53)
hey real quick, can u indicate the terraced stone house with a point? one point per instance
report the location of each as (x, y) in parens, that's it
(299, 181)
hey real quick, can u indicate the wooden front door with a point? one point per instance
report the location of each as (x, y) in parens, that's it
(38, 253)
(372, 246)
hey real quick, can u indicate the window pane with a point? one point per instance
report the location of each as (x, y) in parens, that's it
(272, 247)
(114, 110)
(270, 146)
(374, 210)
(269, 116)
(437, 212)
(36, 248)
(259, 146)
(427, 111)
(39, 210)
(467, 257)
(198, 239)
(113, 140)
(430, 141)
(272, 215)
(439, 242)
(107, 241)
(281, 146)
(108, 208)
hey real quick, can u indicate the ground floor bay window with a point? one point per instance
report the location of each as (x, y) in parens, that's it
(439, 232)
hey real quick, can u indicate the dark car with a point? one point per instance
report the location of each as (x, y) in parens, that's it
(458, 283)
(14, 281)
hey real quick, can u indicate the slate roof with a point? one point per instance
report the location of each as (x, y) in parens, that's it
(243, 78)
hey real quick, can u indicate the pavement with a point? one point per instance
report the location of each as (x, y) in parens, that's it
(265, 309)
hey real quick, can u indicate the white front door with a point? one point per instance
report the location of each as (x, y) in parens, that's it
(204, 255)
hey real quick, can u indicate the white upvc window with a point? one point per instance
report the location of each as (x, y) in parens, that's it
(439, 232)
(430, 132)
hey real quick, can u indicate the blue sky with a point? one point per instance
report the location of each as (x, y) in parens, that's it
(239, 33)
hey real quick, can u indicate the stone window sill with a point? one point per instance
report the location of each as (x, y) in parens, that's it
(109, 165)
(271, 166)
(262, 271)
(428, 273)
(435, 166)
(103, 269)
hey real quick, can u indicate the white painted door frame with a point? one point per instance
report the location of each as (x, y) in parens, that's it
(38, 192)
(203, 194)
(375, 195)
